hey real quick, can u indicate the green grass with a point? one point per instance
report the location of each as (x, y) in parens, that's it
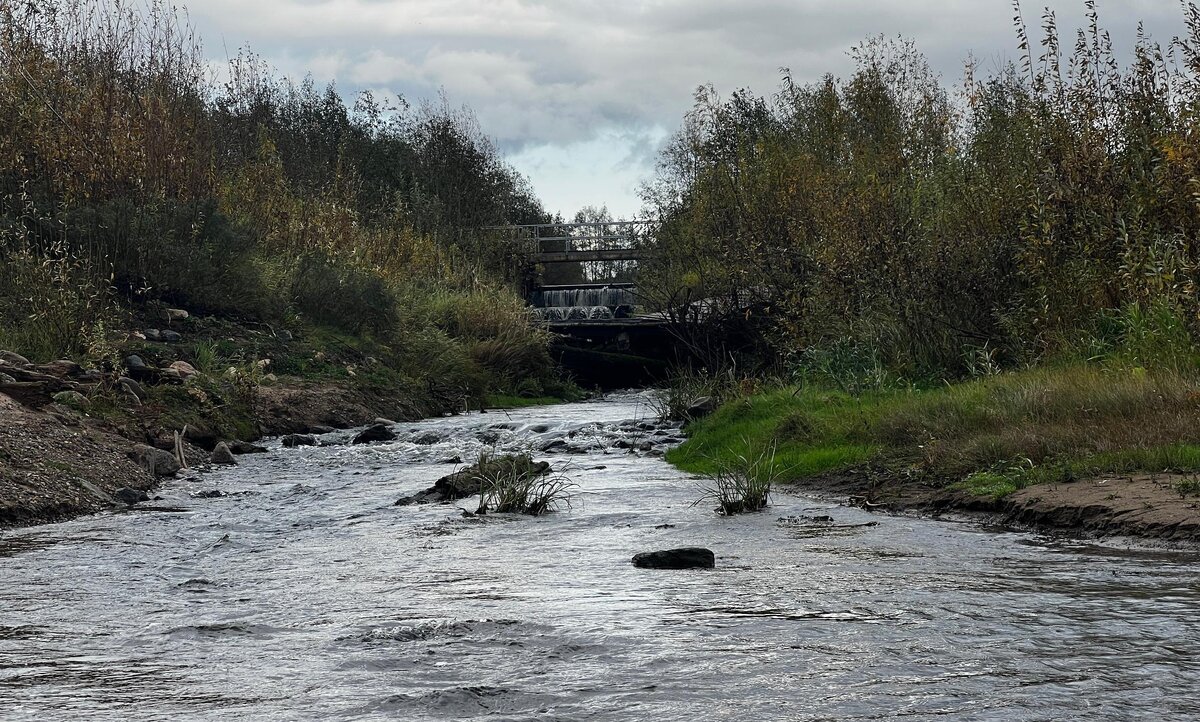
(811, 431)
(990, 484)
(1188, 487)
(990, 436)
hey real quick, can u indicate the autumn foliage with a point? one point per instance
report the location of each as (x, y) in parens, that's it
(131, 171)
(928, 226)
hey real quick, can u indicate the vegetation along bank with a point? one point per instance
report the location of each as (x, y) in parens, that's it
(980, 295)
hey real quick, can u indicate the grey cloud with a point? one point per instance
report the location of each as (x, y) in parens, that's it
(556, 72)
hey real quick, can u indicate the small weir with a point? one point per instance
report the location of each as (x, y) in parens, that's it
(589, 303)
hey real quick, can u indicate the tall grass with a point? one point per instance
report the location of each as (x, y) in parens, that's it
(742, 482)
(999, 432)
(516, 485)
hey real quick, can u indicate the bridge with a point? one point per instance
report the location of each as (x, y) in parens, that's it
(582, 242)
(582, 284)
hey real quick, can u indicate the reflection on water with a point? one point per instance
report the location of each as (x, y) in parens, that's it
(303, 593)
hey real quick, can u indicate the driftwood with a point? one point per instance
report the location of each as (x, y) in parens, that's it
(179, 455)
(862, 503)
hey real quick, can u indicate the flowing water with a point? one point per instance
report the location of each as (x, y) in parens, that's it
(303, 593)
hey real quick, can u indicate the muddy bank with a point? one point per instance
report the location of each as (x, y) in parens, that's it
(57, 462)
(1141, 506)
(52, 469)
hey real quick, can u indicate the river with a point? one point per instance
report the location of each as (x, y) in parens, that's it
(303, 593)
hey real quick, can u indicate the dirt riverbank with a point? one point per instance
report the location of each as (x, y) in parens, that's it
(58, 462)
(1140, 506)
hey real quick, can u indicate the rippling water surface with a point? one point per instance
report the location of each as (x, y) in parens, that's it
(303, 593)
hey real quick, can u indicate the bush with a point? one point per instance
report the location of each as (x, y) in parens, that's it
(51, 306)
(185, 254)
(498, 329)
(343, 296)
(673, 401)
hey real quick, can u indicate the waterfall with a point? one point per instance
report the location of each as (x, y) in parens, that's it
(585, 297)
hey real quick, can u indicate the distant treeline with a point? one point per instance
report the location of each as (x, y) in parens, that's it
(128, 175)
(930, 229)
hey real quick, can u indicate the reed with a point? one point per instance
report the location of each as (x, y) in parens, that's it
(516, 485)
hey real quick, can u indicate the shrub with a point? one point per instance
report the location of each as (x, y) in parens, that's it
(338, 294)
(185, 254)
(672, 401)
(51, 306)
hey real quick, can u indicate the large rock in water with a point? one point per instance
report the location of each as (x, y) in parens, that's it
(377, 432)
(245, 447)
(222, 455)
(130, 496)
(469, 481)
(156, 461)
(683, 558)
(293, 440)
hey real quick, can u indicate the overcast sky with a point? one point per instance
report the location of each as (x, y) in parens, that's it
(579, 94)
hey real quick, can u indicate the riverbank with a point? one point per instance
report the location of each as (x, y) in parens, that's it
(1075, 449)
(59, 461)
(73, 435)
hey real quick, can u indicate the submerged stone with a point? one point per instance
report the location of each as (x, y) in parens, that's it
(682, 558)
(293, 440)
(378, 432)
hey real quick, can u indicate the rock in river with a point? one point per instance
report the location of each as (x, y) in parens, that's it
(245, 447)
(469, 481)
(130, 496)
(156, 461)
(376, 432)
(293, 440)
(222, 455)
(684, 558)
